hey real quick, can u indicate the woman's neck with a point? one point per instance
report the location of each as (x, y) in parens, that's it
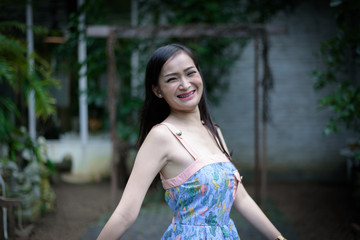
(185, 118)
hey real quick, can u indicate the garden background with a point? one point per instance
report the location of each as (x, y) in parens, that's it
(308, 106)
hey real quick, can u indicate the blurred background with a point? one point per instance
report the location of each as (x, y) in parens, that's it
(282, 78)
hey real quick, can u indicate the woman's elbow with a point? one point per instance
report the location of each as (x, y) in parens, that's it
(128, 218)
(117, 225)
(132, 218)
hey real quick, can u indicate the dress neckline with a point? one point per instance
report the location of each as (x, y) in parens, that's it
(200, 160)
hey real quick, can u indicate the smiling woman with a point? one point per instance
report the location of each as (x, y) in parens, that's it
(179, 82)
(179, 140)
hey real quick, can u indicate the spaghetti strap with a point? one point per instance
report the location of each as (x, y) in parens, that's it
(178, 134)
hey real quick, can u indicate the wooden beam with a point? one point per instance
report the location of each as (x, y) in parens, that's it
(10, 204)
(184, 31)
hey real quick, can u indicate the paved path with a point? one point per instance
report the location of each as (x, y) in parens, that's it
(315, 210)
(155, 218)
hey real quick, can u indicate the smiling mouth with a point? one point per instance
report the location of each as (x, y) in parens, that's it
(186, 95)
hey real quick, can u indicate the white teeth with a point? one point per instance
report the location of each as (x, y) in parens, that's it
(187, 95)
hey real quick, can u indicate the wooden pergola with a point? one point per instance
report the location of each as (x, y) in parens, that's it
(261, 47)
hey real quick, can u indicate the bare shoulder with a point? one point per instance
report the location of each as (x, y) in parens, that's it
(158, 135)
(156, 148)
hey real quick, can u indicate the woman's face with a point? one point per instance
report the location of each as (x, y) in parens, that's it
(180, 83)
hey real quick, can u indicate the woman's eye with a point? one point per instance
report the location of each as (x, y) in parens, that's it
(191, 73)
(171, 79)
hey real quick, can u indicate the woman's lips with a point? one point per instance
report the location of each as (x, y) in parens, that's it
(186, 96)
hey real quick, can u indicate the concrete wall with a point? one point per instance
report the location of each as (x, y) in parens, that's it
(89, 163)
(296, 147)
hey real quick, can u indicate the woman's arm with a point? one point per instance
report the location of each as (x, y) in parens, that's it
(149, 161)
(247, 207)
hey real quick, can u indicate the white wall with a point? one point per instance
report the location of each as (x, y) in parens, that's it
(296, 146)
(89, 163)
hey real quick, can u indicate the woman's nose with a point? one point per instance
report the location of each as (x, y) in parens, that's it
(185, 84)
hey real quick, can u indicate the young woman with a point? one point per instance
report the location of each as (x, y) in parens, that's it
(179, 140)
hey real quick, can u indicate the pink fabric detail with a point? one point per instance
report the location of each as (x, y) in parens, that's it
(199, 161)
(183, 142)
(237, 181)
(188, 147)
(191, 169)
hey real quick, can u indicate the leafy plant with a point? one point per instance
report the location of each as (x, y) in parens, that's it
(216, 55)
(27, 177)
(23, 164)
(341, 56)
(14, 73)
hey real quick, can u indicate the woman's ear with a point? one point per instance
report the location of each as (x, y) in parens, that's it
(156, 91)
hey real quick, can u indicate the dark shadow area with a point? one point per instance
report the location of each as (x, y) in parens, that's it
(300, 211)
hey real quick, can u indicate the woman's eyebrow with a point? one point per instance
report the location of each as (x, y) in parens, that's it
(189, 68)
(170, 74)
(186, 69)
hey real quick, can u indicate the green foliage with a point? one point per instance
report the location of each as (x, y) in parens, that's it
(216, 55)
(214, 11)
(23, 164)
(26, 170)
(14, 70)
(341, 56)
(96, 60)
(7, 107)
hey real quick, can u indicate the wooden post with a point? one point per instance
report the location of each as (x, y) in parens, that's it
(263, 185)
(267, 85)
(112, 117)
(256, 120)
(188, 31)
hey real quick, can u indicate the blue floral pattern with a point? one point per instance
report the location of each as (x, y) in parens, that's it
(202, 204)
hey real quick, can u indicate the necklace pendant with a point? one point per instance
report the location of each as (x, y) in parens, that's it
(179, 133)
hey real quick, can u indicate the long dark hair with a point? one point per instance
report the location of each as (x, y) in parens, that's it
(156, 110)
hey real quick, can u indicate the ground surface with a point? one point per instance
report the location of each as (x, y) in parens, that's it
(299, 210)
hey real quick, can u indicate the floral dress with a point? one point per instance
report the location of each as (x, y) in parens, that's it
(201, 197)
